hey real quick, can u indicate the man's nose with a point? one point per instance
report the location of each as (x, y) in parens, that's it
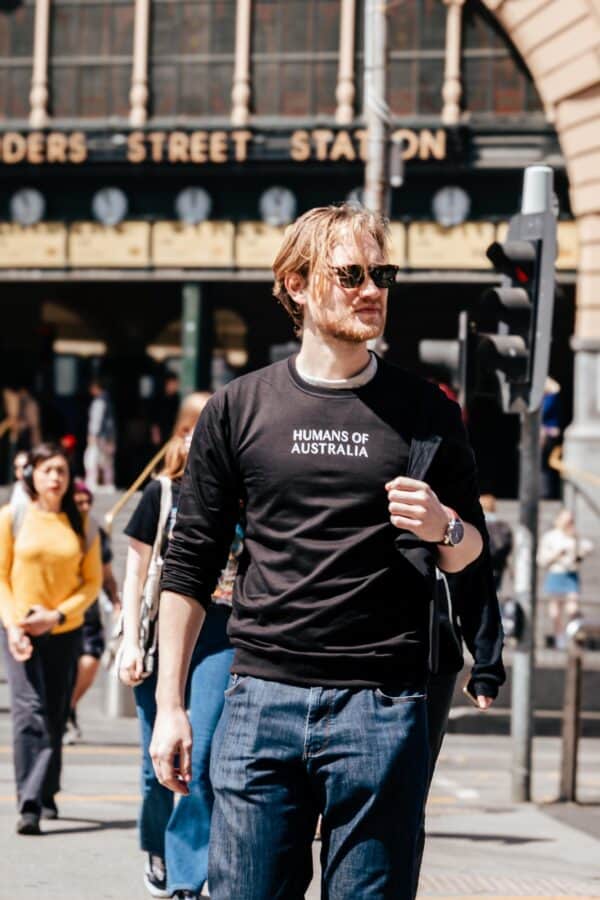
(368, 288)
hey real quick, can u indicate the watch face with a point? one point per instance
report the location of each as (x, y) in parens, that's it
(456, 532)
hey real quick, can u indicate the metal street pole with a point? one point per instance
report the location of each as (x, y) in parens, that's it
(376, 110)
(196, 323)
(523, 662)
(537, 199)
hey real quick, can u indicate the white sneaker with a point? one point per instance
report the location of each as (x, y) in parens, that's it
(155, 876)
(72, 733)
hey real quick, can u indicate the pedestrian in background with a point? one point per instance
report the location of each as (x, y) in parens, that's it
(166, 408)
(23, 411)
(500, 538)
(18, 495)
(93, 641)
(99, 456)
(561, 552)
(175, 838)
(550, 437)
(50, 572)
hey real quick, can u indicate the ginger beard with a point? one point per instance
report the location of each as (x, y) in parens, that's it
(353, 315)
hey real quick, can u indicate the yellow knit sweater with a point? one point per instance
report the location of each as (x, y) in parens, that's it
(46, 564)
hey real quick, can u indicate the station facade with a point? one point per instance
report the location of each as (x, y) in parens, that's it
(150, 151)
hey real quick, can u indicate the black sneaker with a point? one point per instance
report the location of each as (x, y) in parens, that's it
(185, 895)
(28, 823)
(155, 876)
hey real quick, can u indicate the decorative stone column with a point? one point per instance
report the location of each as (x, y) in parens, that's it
(38, 98)
(240, 93)
(452, 89)
(582, 438)
(345, 91)
(139, 94)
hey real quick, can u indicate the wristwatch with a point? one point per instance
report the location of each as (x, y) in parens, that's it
(455, 532)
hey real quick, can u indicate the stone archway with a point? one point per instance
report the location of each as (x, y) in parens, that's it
(560, 43)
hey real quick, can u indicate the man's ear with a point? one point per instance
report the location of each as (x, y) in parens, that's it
(295, 285)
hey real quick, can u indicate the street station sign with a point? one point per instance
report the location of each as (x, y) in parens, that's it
(201, 147)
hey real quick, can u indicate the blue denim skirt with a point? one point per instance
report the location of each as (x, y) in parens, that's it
(561, 583)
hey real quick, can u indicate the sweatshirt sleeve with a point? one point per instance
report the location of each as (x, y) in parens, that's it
(481, 626)
(91, 582)
(6, 561)
(454, 478)
(208, 508)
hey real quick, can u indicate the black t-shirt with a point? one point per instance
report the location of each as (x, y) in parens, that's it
(323, 594)
(143, 524)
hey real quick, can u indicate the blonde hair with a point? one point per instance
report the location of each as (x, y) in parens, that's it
(309, 241)
(175, 458)
(178, 446)
(189, 412)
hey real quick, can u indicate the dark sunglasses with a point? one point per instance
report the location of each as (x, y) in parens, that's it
(353, 276)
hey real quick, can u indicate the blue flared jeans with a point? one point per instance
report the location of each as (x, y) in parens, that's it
(179, 832)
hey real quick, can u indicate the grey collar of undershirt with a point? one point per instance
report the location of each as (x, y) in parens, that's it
(359, 380)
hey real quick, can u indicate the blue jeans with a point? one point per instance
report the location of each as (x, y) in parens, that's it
(180, 832)
(281, 755)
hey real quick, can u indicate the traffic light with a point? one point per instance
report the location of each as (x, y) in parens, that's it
(448, 359)
(515, 321)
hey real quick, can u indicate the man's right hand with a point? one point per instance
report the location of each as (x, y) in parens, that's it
(19, 643)
(171, 749)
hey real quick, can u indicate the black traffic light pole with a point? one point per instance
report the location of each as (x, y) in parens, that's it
(537, 204)
(513, 342)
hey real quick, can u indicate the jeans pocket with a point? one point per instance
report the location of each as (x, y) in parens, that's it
(390, 693)
(235, 683)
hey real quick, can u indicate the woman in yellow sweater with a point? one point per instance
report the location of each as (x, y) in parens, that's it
(50, 572)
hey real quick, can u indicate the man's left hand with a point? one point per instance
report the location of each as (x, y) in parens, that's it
(415, 507)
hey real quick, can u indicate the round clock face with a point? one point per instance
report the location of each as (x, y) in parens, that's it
(193, 205)
(110, 205)
(27, 206)
(277, 206)
(451, 206)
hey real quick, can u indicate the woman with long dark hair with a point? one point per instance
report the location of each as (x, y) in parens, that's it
(50, 572)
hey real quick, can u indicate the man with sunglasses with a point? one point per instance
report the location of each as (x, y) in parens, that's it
(357, 482)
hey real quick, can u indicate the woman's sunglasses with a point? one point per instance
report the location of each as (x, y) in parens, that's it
(353, 276)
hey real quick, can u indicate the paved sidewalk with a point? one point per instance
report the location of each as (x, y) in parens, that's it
(479, 844)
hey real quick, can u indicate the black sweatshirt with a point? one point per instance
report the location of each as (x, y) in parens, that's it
(324, 594)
